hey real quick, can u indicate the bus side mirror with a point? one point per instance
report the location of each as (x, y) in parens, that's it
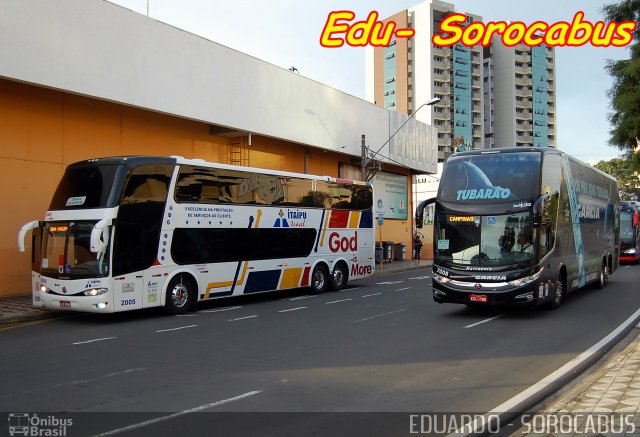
(420, 211)
(23, 232)
(99, 235)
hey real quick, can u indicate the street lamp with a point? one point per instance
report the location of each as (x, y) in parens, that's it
(428, 103)
(364, 158)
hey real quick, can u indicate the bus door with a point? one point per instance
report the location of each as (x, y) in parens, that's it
(137, 234)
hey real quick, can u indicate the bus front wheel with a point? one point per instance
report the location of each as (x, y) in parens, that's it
(181, 295)
(559, 294)
(319, 279)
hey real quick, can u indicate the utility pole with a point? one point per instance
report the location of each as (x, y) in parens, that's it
(363, 161)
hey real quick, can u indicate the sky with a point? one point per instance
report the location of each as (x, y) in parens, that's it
(287, 33)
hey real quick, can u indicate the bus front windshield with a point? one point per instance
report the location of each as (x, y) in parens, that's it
(484, 241)
(626, 227)
(66, 251)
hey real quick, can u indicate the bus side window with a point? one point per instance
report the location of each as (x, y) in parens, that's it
(548, 224)
(145, 188)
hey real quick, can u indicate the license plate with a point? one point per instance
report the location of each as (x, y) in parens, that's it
(478, 298)
(65, 304)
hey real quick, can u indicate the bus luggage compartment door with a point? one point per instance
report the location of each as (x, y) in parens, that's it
(128, 292)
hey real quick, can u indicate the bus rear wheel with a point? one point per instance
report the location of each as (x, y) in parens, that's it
(319, 279)
(339, 277)
(181, 295)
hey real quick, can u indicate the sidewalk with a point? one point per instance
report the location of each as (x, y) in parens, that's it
(18, 309)
(605, 400)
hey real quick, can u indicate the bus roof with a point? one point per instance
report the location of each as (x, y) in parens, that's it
(543, 150)
(136, 160)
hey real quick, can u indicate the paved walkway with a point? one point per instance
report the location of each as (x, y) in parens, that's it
(603, 401)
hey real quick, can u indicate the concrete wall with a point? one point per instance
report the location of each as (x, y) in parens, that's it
(86, 78)
(102, 50)
(42, 131)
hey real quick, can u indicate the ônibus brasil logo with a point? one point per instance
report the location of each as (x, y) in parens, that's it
(27, 424)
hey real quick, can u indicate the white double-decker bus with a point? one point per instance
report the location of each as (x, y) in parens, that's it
(125, 233)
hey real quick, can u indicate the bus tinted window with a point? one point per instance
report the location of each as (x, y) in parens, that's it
(88, 186)
(209, 185)
(196, 246)
(147, 184)
(491, 178)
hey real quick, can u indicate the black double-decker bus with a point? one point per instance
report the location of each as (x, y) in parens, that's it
(521, 226)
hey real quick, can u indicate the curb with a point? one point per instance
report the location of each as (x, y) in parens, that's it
(24, 318)
(401, 269)
(529, 398)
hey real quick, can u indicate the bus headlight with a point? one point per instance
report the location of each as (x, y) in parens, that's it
(441, 279)
(95, 291)
(43, 288)
(526, 280)
(631, 251)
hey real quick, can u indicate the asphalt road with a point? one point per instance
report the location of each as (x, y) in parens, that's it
(381, 346)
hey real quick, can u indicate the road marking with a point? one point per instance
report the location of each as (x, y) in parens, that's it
(337, 301)
(389, 282)
(186, 315)
(369, 295)
(94, 340)
(485, 321)
(292, 309)
(220, 310)
(242, 318)
(379, 315)
(421, 277)
(179, 414)
(83, 381)
(177, 329)
(39, 322)
(402, 289)
(301, 297)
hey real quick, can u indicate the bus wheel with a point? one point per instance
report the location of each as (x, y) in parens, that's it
(559, 295)
(319, 279)
(603, 277)
(338, 278)
(181, 295)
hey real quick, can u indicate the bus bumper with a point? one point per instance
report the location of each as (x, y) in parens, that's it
(89, 304)
(626, 258)
(529, 295)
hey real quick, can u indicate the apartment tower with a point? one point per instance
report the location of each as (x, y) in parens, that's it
(494, 96)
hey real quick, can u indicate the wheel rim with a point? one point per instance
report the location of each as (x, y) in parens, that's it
(318, 279)
(179, 295)
(338, 276)
(559, 291)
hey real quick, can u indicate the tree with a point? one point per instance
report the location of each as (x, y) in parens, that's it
(625, 92)
(628, 182)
